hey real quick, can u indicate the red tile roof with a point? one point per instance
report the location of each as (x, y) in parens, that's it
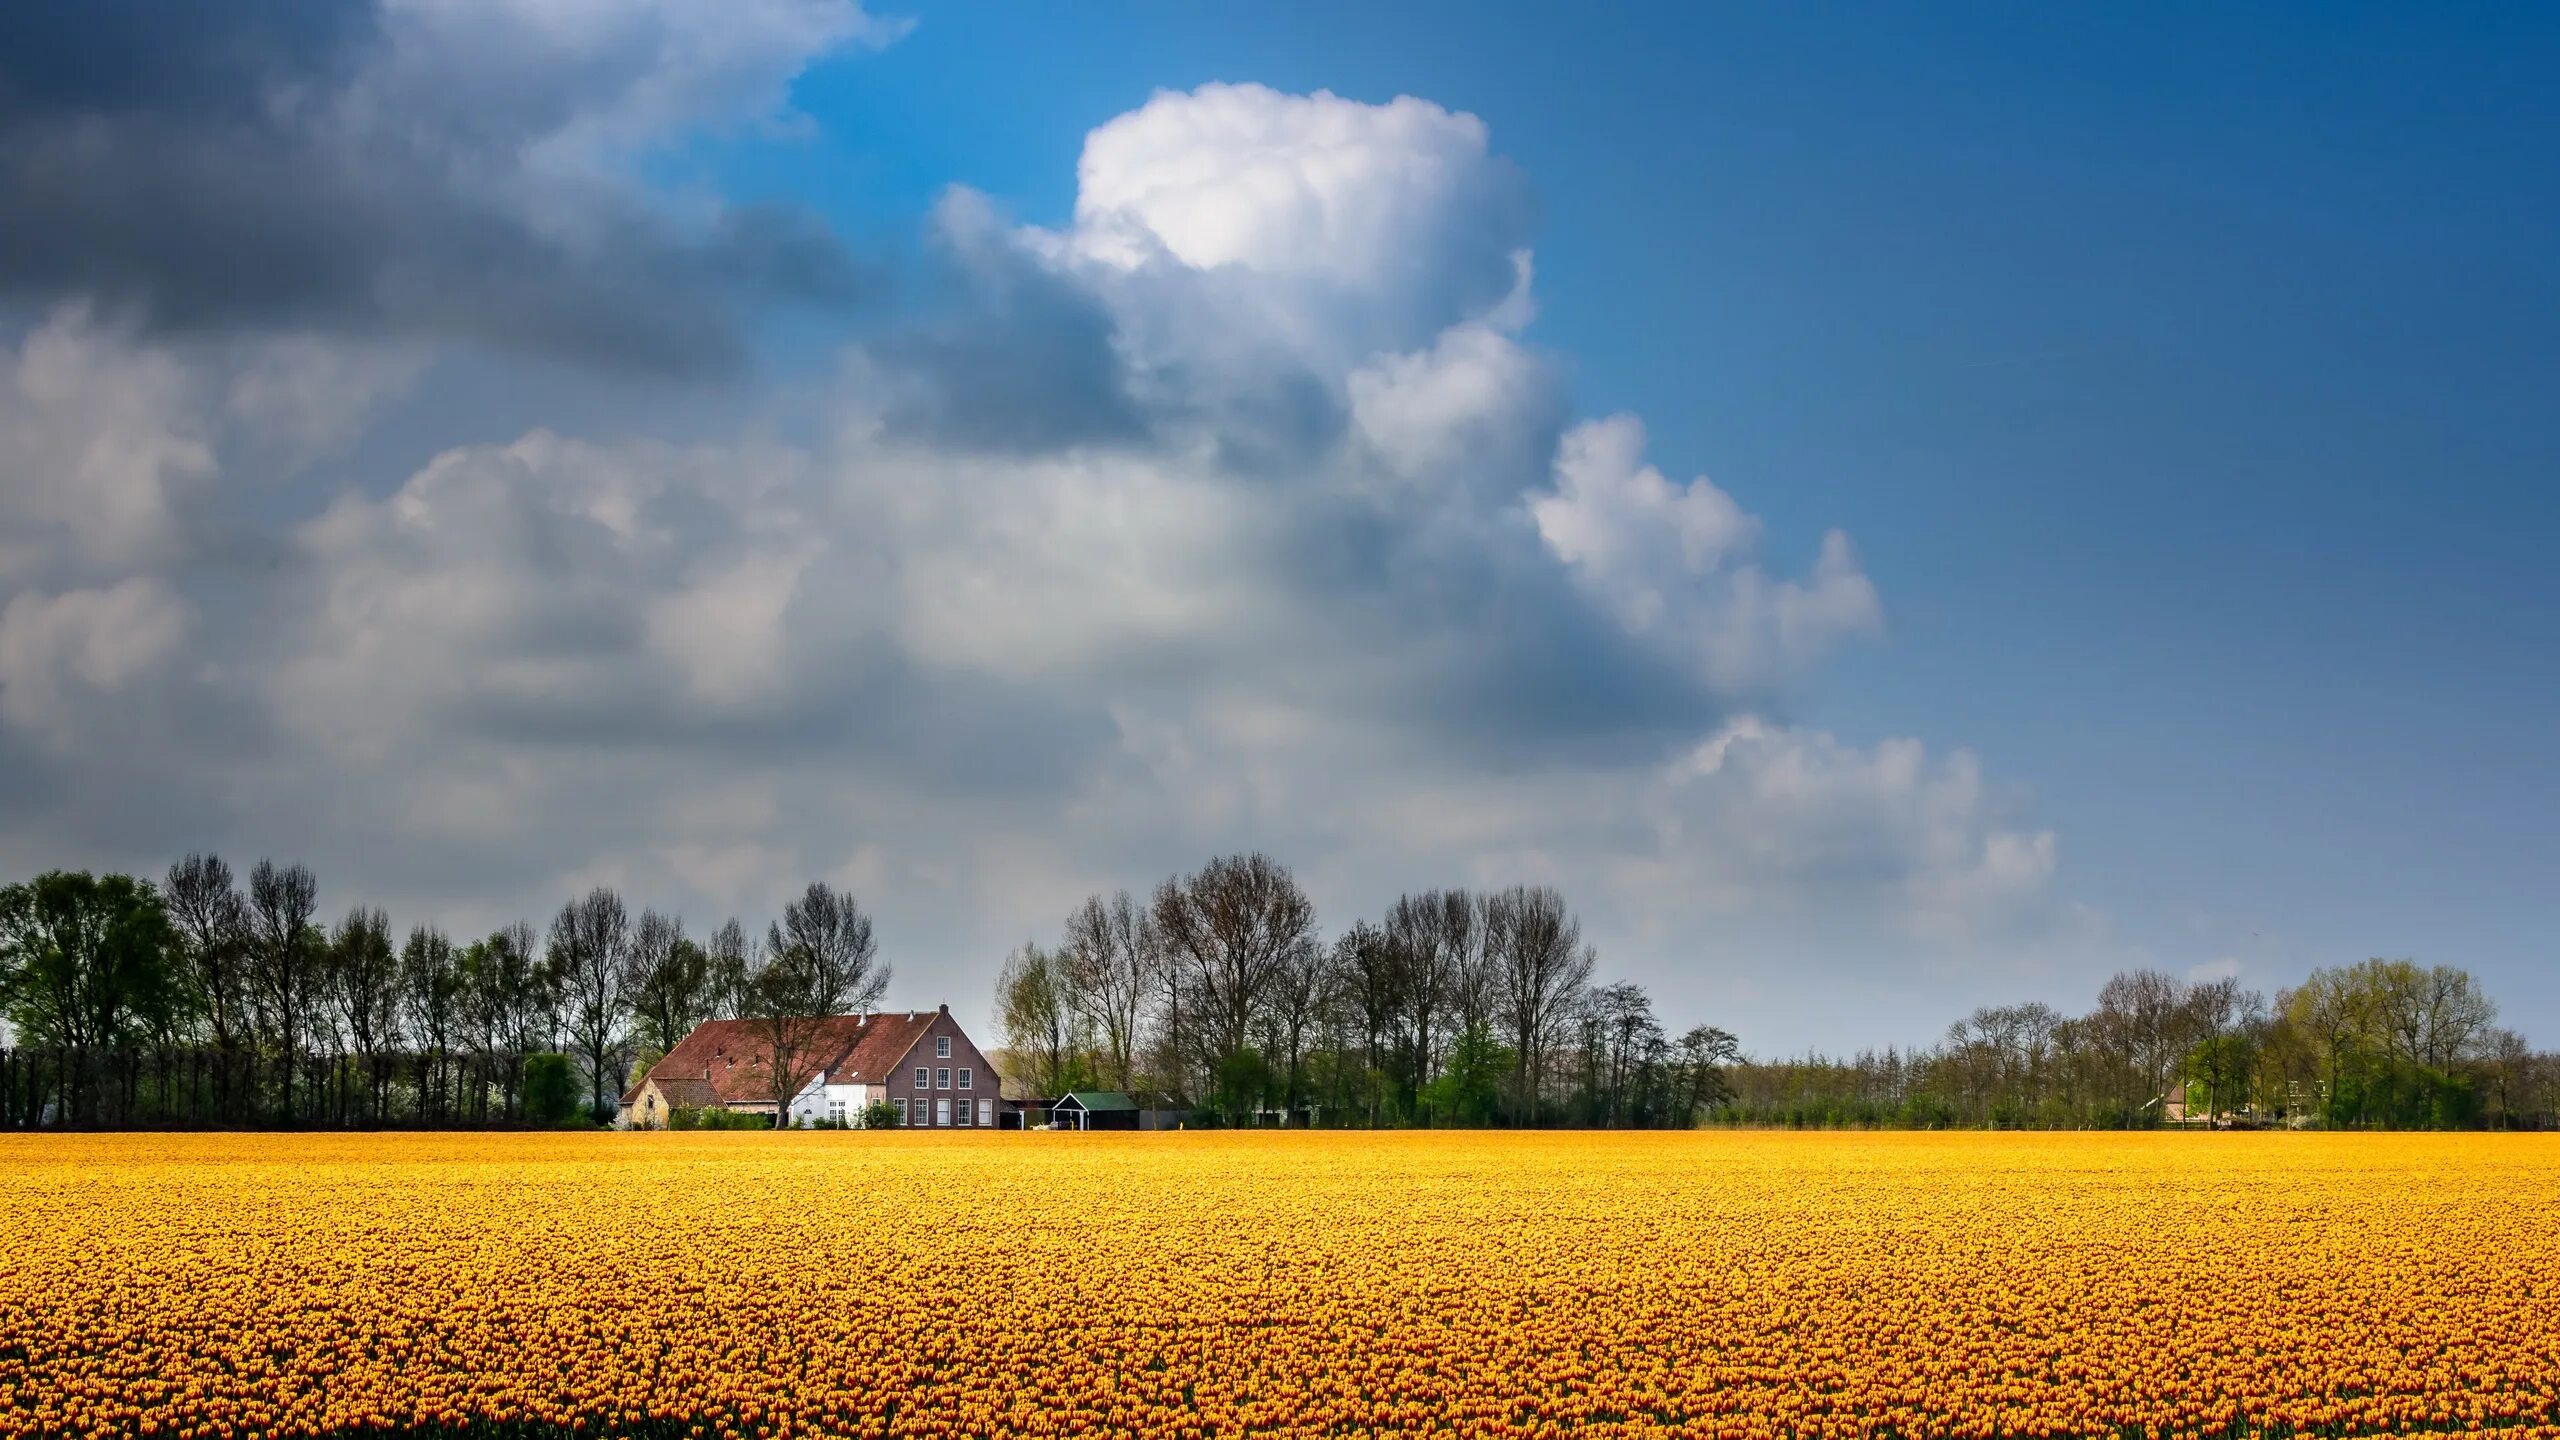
(734, 1056)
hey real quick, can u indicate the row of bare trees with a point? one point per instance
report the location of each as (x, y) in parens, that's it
(203, 1000)
(1219, 993)
(2381, 1043)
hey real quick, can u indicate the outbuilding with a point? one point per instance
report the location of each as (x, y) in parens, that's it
(1094, 1110)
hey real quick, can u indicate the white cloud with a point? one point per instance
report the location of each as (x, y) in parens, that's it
(101, 445)
(61, 654)
(1370, 197)
(1232, 217)
(1673, 562)
(1470, 409)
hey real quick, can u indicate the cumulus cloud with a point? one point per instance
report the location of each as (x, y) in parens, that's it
(1757, 812)
(62, 654)
(438, 169)
(99, 446)
(1239, 511)
(1370, 224)
(1674, 562)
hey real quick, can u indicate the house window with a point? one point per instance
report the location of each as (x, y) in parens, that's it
(941, 1047)
(942, 1077)
(961, 1115)
(964, 1077)
(924, 1078)
(941, 1112)
(986, 1112)
(835, 1112)
(901, 1103)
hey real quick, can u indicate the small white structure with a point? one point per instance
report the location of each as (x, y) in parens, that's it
(837, 1098)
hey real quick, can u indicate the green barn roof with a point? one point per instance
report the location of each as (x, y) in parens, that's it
(1098, 1100)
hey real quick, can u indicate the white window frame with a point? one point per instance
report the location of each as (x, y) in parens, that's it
(986, 1113)
(835, 1112)
(941, 1113)
(924, 1077)
(941, 1077)
(901, 1103)
(965, 1077)
(941, 1047)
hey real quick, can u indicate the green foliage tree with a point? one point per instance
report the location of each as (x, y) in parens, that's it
(1469, 1090)
(1241, 1083)
(83, 959)
(1047, 1035)
(550, 1089)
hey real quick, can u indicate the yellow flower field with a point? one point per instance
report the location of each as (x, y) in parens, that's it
(1192, 1285)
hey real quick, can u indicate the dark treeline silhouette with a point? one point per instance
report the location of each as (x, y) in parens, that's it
(1218, 995)
(206, 1001)
(201, 1001)
(1474, 1009)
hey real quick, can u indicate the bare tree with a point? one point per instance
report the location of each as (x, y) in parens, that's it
(1431, 935)
(431, 998)
(1299, 994)
(819, 961)
(2146, 1011)
(505, 1007)
(364, 980)
(1111, 965)
(670, 982)
(1368, 986)
(212, 925)
(1541, 968)
(729, 956)
(284, 959)
(1621, 1024)
(591, 956)
(1702, 1054)
(1231, 931)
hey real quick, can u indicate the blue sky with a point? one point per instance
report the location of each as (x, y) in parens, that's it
(2181, 379)
(2187, 377)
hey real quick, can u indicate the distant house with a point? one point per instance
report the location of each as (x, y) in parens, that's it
(919, 1063)
(2173, 1106)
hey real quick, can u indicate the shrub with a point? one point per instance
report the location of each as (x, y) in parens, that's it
(715, 1117)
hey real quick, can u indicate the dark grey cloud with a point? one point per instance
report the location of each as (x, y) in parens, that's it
(271, 164)
(1021, 360)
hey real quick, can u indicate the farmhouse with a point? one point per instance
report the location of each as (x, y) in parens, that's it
(919, 1063)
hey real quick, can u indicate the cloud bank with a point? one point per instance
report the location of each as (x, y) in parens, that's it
(1238, 510)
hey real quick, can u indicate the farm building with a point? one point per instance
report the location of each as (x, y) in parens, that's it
(919, 1063)
(1094, 1110)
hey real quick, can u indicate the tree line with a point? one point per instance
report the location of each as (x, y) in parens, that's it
(203, 1001)
(1218, 995)
(2382, 1044)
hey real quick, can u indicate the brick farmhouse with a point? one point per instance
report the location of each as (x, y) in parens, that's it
(920, 1063)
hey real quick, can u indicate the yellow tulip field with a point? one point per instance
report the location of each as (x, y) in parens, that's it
(754, 1286)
